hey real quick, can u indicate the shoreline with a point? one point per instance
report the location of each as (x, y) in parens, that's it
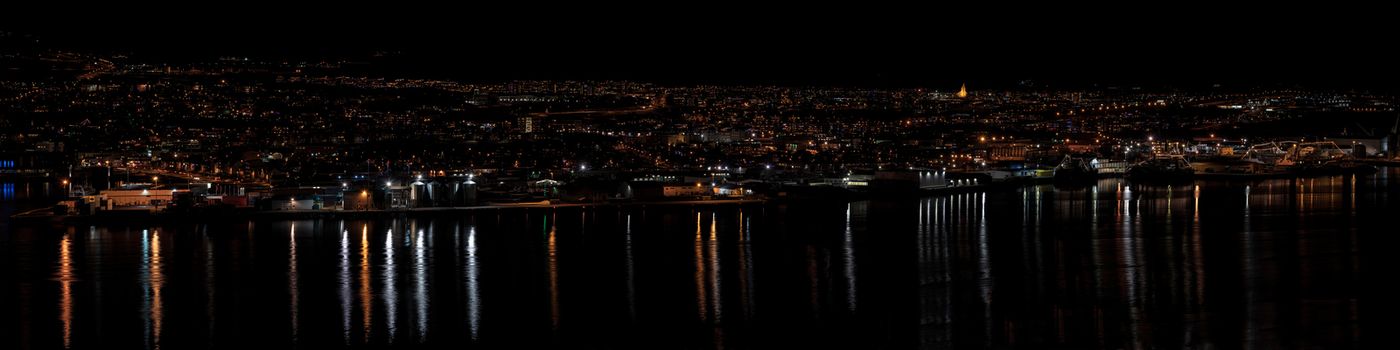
(144, 216)
(847, 196)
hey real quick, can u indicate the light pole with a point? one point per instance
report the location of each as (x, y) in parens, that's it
(388, 194)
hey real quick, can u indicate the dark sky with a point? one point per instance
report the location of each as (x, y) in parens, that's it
(1327, 47)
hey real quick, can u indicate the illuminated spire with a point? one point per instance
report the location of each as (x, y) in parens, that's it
(962, 93)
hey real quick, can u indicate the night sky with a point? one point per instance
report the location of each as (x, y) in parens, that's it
(1337, 49)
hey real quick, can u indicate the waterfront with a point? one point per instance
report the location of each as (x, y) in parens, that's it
(1245, 264)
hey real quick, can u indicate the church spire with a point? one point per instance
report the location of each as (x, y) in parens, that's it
(962, 93)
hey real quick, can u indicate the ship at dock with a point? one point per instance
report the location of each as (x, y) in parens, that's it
(1282, 159)
(1162, 168)
(1321, 158)
(1076, 170)
(1259, 160)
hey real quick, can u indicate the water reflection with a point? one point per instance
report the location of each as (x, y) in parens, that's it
(984, 261)
(1111, 265)
(473, 280)
(701, 296)
(848, 253)
(390, 279)
(209, 283)
(292, 284)
(65, 280)
(707, 269)
(631, 270)
(553, 261)
(420, 284)
(746, 267)
(95, 253)
(1129, 258)
(344, 282)
(154, 279)
(366, 307)
(935, 275)
(713, 272)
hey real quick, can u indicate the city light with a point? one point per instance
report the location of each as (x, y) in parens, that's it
(883, 154)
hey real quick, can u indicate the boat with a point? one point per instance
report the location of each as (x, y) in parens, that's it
(1074, 170)
(1321, 158)
(1228, 167)
(1162, 167)
(519, 203)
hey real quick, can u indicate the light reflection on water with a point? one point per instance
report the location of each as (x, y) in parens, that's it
(155, 282)
(1113, 265)
(552, 251)
(292, 284)
(389, 278)
(65, 279)
(420, 284)
(366, 301)
(473, 278)
(344, 282)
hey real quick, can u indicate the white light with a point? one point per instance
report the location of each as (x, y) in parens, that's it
(388, 183)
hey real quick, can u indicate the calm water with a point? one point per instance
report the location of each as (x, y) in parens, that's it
(1262, 264)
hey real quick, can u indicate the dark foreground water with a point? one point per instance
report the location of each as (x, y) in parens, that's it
(1263, 264)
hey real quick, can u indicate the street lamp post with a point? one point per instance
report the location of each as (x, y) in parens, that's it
(388, 195)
